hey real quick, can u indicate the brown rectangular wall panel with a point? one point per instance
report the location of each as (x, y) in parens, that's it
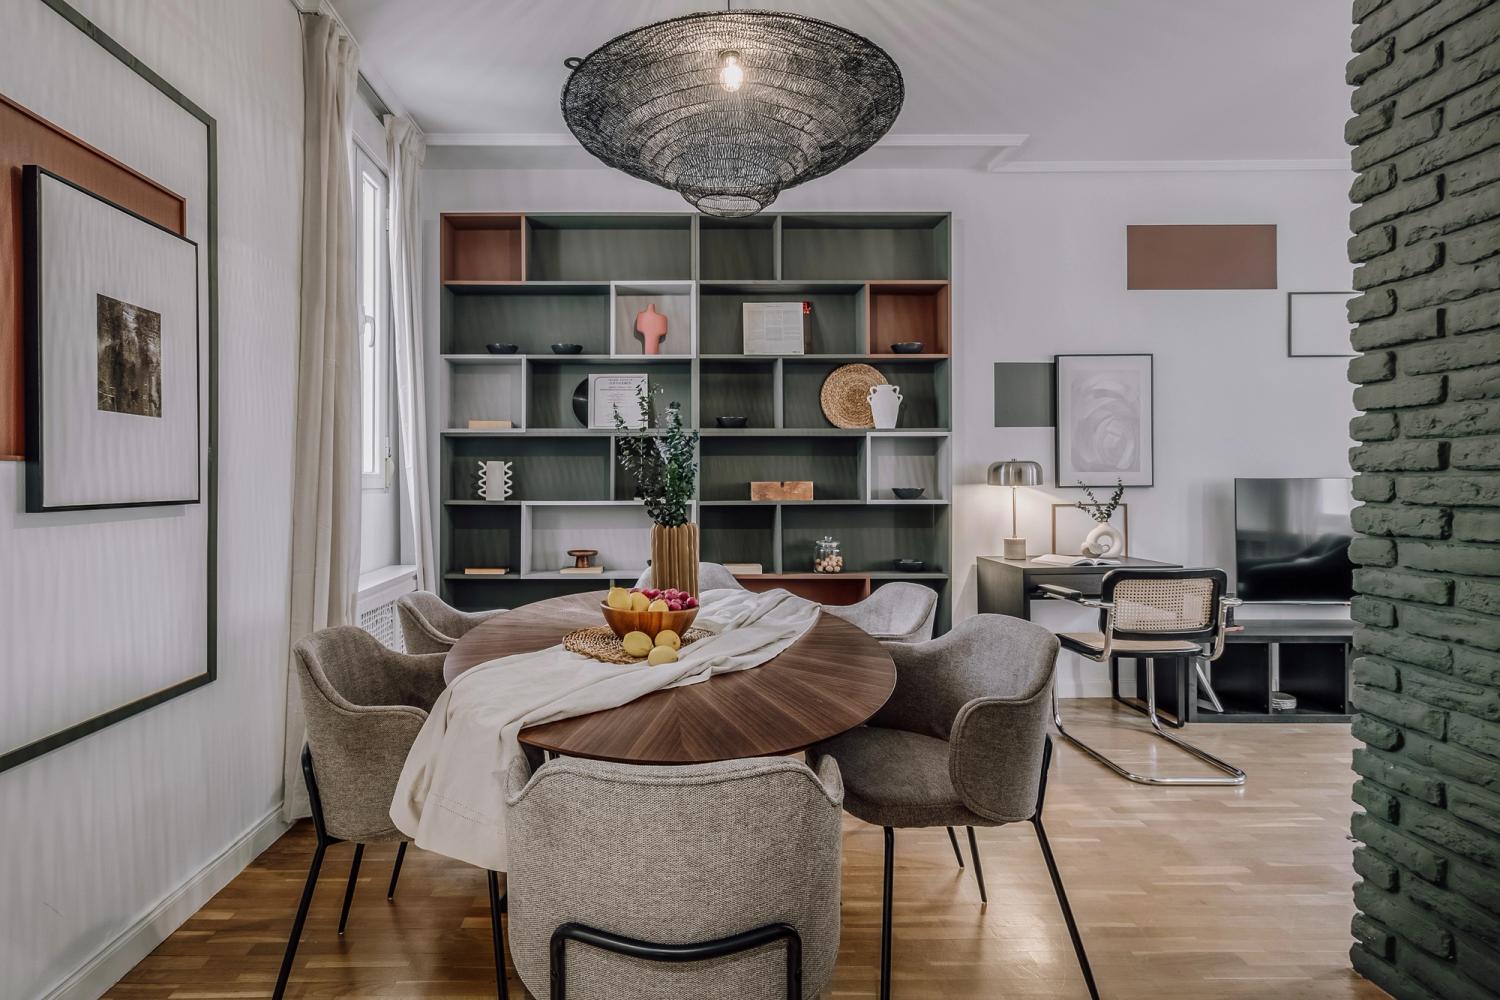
(1200, 257)
(26, 138)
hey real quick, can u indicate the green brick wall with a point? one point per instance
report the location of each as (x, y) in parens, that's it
(1426, 245)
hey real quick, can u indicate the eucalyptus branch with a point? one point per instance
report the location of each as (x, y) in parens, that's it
(1101, 511)
(659, 456)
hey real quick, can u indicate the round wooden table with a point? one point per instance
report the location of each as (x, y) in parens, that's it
(829, 681)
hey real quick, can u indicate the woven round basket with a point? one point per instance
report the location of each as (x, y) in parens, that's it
(599, 643)
(845, 395)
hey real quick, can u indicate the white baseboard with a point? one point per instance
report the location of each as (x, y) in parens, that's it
(111, 962)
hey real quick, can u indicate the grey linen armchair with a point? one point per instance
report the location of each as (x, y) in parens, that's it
(961, 742)
(711, 881)
(896, 612)
(711, 576)
(430, 625)
(364, 705)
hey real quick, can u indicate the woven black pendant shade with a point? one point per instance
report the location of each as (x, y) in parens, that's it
(656, 103)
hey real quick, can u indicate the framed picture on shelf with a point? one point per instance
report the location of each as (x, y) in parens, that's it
(113, 370)
(1104, 419)
(1070, 526)
(609, 394)
(774, 327)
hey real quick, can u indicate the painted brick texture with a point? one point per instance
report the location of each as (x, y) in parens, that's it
(1426, 249)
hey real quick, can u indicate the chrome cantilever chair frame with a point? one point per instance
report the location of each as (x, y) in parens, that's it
(1211, 646)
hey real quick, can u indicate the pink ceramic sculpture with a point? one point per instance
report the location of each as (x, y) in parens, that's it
(652, 326)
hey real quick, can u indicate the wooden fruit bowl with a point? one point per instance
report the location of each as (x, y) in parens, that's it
(649, 622)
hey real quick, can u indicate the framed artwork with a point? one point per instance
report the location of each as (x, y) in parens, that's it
(1070, 526)
(1105, 431)
(1317, 325)
(113, 356)
(112, 359)
(611, 394)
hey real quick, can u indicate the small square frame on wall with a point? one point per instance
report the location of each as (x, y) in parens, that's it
(1105, 420)
(1322, 322)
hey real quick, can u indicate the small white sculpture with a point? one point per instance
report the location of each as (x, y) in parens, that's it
(1104, 540)
(885, 405)
(494, 480)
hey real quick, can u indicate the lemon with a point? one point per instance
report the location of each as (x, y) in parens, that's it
(639, 601)
(666, 637)
(657, 605)
(636, 643)
(619, 598)
(660, 655)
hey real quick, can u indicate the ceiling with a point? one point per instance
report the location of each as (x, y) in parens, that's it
(1004, 84)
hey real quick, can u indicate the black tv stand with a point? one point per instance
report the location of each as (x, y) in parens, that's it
(1311, 657)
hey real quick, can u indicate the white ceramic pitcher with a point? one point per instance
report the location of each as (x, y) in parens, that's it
(885, 405)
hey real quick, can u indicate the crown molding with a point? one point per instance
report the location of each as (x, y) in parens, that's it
(1163, 166)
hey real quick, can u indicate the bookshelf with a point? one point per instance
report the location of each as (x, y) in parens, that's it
(534, 280)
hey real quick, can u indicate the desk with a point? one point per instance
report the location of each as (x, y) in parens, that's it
(832, 679)
(1007, 586)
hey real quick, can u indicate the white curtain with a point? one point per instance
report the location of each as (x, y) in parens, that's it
(326, 473)
(406, 149)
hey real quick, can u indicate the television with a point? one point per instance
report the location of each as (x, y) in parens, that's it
(1291, 540)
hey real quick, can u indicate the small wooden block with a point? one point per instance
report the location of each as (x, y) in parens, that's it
(792, 489)
(485, 571)
(491, 425)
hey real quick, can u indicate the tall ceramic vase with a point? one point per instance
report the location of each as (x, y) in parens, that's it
(674, 557)
(652, 326)
(885, 405)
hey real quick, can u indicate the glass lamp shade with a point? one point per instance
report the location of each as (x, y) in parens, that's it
(1014, 472)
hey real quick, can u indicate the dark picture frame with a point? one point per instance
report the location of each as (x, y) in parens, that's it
(1066, 475)
(14, 756)
(33, 338)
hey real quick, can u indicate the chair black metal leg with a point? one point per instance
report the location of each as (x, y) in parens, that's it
(359, 852)
(497, 907)
(390, 894)
(978, 865)
(957, 853)
(301, 918)
(885, 915)
(1062, 899)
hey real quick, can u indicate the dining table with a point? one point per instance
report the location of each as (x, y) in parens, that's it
(832, 679)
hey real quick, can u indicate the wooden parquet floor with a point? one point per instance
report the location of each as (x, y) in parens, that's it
(1196, 893)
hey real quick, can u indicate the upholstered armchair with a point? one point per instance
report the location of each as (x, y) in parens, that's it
(429, 625)
(364, 705)
(712, 881)
(961, 742)
(711, 576)
(896, 612)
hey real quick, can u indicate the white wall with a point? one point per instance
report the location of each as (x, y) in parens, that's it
(1039, 269)
(96, 835)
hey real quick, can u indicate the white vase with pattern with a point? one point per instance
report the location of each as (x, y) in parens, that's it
(494, 480)
(885, 405)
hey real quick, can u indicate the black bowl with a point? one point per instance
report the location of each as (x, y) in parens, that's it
(502, 348)
(908, 347)
(908, 492)
(909, 565)
(567, 348)
(731, 421)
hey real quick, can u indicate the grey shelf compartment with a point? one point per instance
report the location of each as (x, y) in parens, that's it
(871, 538)
(867, 247)
(532, 316)
(549, 402)
(583, 247)
(737, 534)
(729, 464)
(561, 468)
(621, 533)
(836, 324)
(737, 249)
(483, 536)
(738, 388)
(924, 386)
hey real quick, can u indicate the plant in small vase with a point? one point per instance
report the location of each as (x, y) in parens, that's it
(1104, 540)
(659, 457)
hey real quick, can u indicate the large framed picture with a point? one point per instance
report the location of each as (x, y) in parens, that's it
(112, 354)
(1104, 419)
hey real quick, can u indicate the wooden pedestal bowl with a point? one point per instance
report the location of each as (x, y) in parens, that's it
(649, 622)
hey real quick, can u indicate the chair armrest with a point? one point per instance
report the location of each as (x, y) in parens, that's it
(416, 679)
(995, 762)
(1057, 593)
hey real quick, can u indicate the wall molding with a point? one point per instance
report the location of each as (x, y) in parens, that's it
(127, 949)
(1165, 166)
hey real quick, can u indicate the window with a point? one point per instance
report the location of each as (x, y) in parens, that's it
(374, 322)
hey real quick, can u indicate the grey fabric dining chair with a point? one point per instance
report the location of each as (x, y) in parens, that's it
(711, 576)
(896, 612)
(711, 881)
(364, 705)
(961, 742)
(431, 625)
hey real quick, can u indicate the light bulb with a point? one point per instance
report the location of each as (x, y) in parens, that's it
(731, 74)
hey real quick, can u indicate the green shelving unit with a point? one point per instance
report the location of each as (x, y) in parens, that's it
(533, 280)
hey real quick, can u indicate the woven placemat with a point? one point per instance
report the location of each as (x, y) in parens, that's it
(845, 395)
(600, 643)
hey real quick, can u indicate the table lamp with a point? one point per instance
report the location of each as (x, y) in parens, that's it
(1014, 472)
